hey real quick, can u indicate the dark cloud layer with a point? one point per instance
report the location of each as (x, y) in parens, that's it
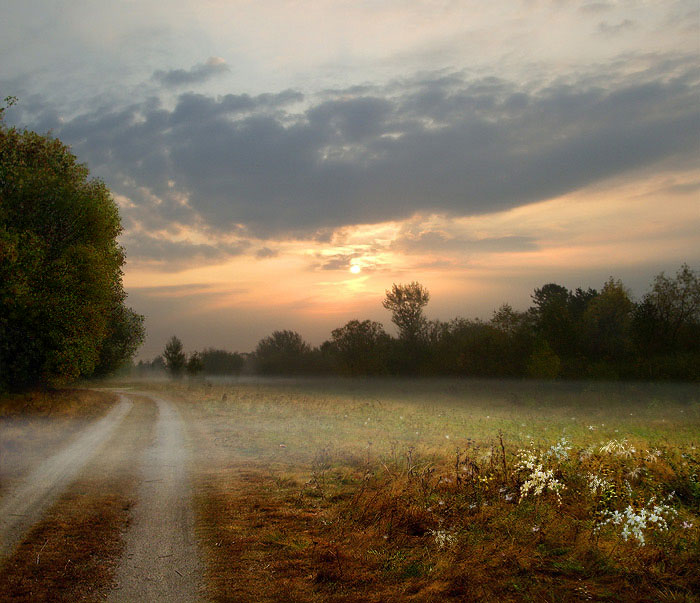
(176, 255)
(196, 75)
(447, 144)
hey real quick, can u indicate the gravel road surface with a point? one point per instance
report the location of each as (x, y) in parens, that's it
(161, 561)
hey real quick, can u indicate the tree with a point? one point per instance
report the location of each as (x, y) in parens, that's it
(175, 360)
(361, 347)
(554, 322)
(124, 336)
(283, 352)
(62, 313)
(668, 319)
(194, 365)
(607, 322)
(221, 362)
(406, 303)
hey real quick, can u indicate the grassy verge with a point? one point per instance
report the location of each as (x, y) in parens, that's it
(73, 552)
(34, 425)
(426, 492)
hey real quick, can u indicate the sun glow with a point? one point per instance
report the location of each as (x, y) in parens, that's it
(355, 269)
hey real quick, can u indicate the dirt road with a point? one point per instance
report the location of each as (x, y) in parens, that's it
(161, 561)
(25, 504)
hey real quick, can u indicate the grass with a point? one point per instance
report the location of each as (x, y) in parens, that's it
(345, 490)
(35, 424)
(399, 491)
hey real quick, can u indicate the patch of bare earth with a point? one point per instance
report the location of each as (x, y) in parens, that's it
(73, 552)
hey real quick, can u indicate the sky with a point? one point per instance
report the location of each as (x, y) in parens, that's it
(279, 164)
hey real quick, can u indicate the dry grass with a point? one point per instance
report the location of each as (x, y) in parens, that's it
(331, 495)
(35, 424)
(71, 555)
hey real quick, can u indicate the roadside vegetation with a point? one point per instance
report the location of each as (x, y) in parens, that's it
(62, 311)
(429, 491)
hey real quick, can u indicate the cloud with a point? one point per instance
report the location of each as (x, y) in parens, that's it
(614, 29)
(196, 75)
(451, 144)
(339, 261)
(433, 241)
(172, 255)
(596, 7)
(266, 252)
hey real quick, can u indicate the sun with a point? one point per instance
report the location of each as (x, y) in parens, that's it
(355, 269)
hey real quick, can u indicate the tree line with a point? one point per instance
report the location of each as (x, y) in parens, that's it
(572, 334)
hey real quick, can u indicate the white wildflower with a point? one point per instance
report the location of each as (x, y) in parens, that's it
(539, 480)
(653, 455)
(620, 448)
(443, 538)
(634, 523)
(560, 450)
(597, 484)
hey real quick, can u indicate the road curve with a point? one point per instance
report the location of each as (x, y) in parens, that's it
(161, 561)
(25, 504)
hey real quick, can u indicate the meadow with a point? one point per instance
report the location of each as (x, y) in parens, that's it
(428, 490)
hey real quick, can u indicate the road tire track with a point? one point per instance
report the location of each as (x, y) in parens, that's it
(26, 503)
(161, 561)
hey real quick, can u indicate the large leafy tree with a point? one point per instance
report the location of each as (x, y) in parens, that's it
(62, 313)
(283, 352)
(607, 323)
(406, 303)
(361, 347)
(668, 318)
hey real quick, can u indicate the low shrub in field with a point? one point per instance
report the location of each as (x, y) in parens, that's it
(609, 519)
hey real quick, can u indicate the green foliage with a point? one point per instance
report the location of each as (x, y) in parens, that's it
(194, 364)
(544, 363)
(361, 347)
(61, 297)
(174, 357)
(669, 318)
(406, 303)
(221, 362)
(607, 322)
(283, 352)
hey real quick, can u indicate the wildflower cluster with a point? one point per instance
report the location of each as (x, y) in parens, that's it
(635, 522)
(560, 450)
(598, 484)
(539, 479)
(443, 539)
(622, 448)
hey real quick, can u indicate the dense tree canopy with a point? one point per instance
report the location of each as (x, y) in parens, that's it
(361, 347)
(283, 352)
(62, 313)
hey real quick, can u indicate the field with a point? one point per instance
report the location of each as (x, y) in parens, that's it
(349, 490)
(380, 491)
